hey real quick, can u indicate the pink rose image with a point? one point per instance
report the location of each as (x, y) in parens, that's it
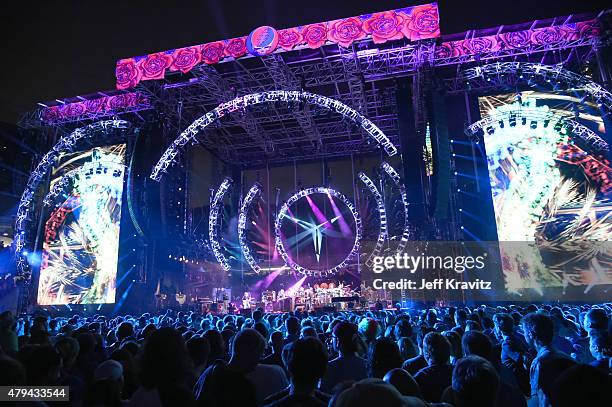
(183, 59)
(384, 26)
(344, 32)
(127, 73)
(213, 52)
(315, 35)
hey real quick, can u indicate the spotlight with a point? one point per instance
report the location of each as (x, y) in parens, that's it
(452, 140)
(460, 210)
(455, 172)
(454, 154)
(458, 189)
(462, 228)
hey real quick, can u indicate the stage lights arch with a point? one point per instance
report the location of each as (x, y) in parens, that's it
(283, 213)
(555, 75)
(382, 212)
(67, 144)
(213, 223)
(287, 96)
(254, 192)
(395, 177)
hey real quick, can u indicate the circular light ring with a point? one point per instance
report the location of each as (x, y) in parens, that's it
(66, 144)
(382, 232)
(283, 212)
(538, 114)
(254, 192)
(551, 72)
(213, 220)
(393, 174)
(239, 103)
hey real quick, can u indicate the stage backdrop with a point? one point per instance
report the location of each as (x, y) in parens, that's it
(81, 233)
(552, 201)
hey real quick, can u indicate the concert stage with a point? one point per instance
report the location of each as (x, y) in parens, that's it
(303, 167)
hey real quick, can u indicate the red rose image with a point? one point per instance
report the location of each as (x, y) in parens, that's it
(315, 35)
(516, 39)
(447, 50)
(384, 26)
(548, 35)
(344, 32)
(183, 59)
(127, 73)
(96, 105)
(72, 110)
(422, 22)
(50, 114)
(117, 102)
(587, 29)
(479, 45)
(236, 47)
(212, 52)
(289, 38)
(153, 66)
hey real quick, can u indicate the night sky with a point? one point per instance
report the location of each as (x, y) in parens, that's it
(53, 49)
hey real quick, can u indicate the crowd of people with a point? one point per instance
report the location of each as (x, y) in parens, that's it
(548, 355)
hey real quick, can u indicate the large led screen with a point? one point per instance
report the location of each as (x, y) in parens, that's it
(551, 192)
(81, 232)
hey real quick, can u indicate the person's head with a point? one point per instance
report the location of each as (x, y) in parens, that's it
(199, 349)
(306, 362)
(276, 341)
(292, 324)
(112, 371)
(344, 337)
(436, 349)
(537, 329)
(455, 342)
(596, 320)
(402, 329)
(68, 349)
(477, 343)
(248, 347)
(261, 328)
(475, 382)
(308, 331)
(461, 317)
(504, 325)
(369, 328)
(165, 360)
(581, 385)
(407, 348)
(601, 346)
(217, 345)
(369, 392)
(472, 325)
(257, 315)
(403, 382)
(124, 330)
(383, 356)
